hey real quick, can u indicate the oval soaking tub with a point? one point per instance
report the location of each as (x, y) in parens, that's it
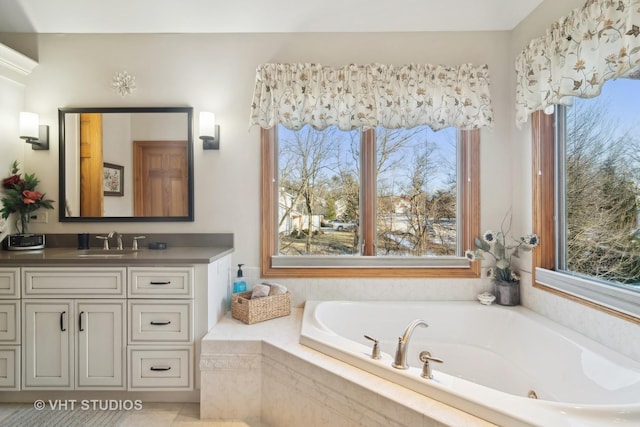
(506, 365)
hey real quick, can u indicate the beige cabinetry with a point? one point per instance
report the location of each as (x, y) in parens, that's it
(72, 343)
(113, 327)
(9, 329)
(48, 350)
(100, 339)
(161, 323)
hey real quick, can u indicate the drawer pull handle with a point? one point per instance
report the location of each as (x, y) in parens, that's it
(160, 323)
(62, 328)
(80, 322)
(153, 282)
(161, 368)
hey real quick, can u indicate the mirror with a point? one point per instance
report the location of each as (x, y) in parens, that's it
(126, 164)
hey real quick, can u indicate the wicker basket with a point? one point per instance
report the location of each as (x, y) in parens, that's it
(257, 310)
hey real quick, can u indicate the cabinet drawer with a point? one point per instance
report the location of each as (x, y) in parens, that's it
(150, 321)
(80, 282)
(9, 322)
(9, 283)
(160, 282)
(160, 369)
(9, 368)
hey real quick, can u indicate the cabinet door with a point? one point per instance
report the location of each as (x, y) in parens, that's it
(9, 367)
(9, 322)
(47, 361)
(10, 282)
(100, 344)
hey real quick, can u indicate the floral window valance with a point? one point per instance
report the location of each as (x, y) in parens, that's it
(367, 96)
(577, 55)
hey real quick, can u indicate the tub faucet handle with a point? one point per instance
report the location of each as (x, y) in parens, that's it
(375, 352)
(425, 357)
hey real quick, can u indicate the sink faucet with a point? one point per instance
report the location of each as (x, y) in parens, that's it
(400, 361)
(118, 237)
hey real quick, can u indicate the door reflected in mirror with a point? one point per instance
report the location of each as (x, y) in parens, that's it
(126, 164)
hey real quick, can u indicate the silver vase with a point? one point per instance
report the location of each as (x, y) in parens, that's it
(507, 293)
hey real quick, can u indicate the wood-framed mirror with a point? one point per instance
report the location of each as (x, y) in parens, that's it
(126, 164)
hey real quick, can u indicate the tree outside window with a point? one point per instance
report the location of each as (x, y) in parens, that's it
(373, 203)
(601, 239)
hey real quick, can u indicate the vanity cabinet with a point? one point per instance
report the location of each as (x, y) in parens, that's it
(73, 343)
(9, 329)
(107, 325)
(161, 323)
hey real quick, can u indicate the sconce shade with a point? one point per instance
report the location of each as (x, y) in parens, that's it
(209, 131)
(29, 125)
(32, 132)
(207, 124)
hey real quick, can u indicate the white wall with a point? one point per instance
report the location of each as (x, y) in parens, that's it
(215, 72)
(14, 67)
(11, 103)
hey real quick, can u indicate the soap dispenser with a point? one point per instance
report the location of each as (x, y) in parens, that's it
(239, 283)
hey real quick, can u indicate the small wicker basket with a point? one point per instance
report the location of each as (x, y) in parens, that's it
(257, 310)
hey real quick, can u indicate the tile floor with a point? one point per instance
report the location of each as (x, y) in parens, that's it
(155, 415)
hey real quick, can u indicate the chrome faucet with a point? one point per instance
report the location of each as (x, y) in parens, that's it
(400, 361)
(118, 237)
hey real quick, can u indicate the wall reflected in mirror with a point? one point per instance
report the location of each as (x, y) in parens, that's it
(126, 164)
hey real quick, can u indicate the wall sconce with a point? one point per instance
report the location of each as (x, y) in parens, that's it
(32, 132)
(209, 131)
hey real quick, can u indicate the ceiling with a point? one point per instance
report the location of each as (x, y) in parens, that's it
(256, 16)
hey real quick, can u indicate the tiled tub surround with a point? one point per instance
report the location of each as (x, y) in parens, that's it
(262, 371)
(493, 356)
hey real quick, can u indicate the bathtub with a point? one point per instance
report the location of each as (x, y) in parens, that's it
(506, 365)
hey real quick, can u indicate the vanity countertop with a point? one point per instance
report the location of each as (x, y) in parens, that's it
(184, 248)
(71, 256)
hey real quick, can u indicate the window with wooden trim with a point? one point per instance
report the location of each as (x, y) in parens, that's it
(374, 203)
(587, 200)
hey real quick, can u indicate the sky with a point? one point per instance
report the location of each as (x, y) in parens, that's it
(622, 97)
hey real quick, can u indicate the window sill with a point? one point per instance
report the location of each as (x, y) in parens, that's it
(311, 261)
(616, 301)
(362, 266)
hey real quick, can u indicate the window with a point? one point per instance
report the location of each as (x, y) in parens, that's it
(595, 200)
(402, 202)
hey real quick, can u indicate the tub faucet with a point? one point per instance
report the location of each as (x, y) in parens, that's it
(400, 361)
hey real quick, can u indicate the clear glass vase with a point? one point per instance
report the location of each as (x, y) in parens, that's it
(22, 223)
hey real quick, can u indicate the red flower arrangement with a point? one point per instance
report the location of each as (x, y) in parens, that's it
(20, 196)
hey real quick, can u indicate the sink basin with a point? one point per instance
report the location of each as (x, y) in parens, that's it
(99, 253)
